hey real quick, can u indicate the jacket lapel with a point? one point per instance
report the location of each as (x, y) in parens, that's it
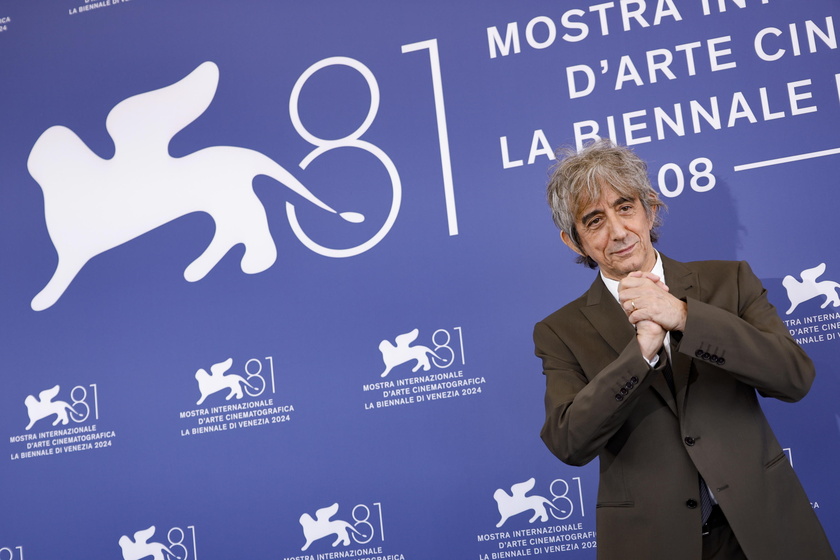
(606, 315)
(609, 319)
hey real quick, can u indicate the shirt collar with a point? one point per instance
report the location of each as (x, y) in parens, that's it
(612, 285)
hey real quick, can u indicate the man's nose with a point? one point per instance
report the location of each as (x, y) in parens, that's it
(616, 228)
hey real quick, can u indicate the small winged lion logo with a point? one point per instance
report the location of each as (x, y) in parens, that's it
(800, 292)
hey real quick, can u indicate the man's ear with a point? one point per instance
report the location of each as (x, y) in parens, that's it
(653, 211)
(571, 244)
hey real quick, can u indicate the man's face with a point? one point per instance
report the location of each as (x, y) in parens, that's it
(615, 233)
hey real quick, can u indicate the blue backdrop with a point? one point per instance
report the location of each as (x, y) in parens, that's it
(269, 271)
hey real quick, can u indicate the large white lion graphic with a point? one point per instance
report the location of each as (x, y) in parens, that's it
(92, 205)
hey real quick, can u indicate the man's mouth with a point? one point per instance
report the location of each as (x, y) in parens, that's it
(624, 251)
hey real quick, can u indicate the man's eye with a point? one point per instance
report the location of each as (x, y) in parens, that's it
(594, 222)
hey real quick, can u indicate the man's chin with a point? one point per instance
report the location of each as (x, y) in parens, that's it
(619, 272)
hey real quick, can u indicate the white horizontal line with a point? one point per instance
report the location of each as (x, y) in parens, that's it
(788, 159)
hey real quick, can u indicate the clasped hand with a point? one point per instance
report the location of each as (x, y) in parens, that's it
(651, 309)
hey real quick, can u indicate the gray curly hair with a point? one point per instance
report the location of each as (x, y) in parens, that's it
(579, 177)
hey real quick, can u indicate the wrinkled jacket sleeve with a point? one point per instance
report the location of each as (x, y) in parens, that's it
(582, 414)
(751, 342)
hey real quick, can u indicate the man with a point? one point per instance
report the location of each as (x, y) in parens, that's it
(655, 369)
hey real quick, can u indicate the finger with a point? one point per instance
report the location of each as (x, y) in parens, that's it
(637, 317)
(649, 275)
(647, 278)
(652, 277)
(640, 279)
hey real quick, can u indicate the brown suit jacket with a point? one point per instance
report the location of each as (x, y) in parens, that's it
(603, 400)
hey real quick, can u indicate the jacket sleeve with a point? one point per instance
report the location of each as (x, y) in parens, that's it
(583, 414)
(754, 345)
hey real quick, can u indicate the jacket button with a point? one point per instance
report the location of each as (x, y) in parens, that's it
(689, 441)
(721, 361)
(699, 353)
(623, 391)
(706, 355)
(634, 380)
(628, 385)
(691, 504)
(619, 397)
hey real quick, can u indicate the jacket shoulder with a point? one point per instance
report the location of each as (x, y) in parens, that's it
(714, 266)
(569, 311)
(714, 271)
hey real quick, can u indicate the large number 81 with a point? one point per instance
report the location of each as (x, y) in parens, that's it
(353, 140)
